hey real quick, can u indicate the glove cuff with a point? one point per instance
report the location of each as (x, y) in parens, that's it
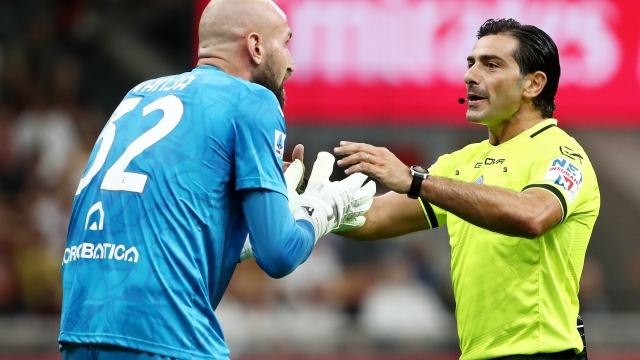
(318, 213)
(247, 251)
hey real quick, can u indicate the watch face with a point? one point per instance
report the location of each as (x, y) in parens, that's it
(419, 169)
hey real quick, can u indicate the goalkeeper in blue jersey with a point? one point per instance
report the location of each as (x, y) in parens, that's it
(187, 169)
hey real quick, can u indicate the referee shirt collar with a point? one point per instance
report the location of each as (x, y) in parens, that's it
(540, 127)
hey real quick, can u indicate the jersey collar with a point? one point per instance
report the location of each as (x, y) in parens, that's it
(207, 67)
(530, 133)
(540, 127)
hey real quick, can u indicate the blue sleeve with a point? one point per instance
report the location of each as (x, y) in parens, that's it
(280, 242)
(259, 142)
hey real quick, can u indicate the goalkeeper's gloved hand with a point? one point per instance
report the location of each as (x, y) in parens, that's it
(294, 178)
(361, 203)
(331, 204)
(247, 251)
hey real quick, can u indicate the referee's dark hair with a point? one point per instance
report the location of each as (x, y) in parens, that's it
(536, 52)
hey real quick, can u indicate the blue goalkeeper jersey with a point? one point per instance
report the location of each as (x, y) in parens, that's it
(158, 225)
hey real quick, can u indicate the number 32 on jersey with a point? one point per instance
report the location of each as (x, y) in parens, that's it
(116, 178)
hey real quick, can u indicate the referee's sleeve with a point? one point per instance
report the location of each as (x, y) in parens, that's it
(436, 216)
(560, 176)
(553, 190)
(429, 211)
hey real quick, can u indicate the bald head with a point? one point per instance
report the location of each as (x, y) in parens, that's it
(247, 39)
(226, 23)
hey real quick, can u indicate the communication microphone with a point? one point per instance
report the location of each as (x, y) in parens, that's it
(461, 101)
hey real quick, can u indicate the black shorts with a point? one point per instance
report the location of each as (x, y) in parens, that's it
(564, 355)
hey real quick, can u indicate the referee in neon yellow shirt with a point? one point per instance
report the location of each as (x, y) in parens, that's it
(519, 207)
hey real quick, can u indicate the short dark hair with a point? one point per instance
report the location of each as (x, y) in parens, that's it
(536, 51)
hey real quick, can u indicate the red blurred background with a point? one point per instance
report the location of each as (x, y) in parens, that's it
(393, 62)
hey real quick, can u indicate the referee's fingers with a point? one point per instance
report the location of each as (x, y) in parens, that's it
(355, 158)
(361, 167)
(348, 148)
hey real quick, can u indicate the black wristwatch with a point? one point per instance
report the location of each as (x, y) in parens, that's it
(419, 174)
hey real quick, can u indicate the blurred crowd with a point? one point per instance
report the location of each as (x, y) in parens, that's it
(57, 88)
(46, 127)
(389, 296)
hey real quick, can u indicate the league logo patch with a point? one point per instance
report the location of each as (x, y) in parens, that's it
(566, 175)
(279, 144)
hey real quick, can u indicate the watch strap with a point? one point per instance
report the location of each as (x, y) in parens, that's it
(419, 174)
(416, 184)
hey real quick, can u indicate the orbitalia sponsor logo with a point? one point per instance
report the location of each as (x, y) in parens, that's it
(101, 251)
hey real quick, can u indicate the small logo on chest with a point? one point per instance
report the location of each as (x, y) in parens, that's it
(489, 161)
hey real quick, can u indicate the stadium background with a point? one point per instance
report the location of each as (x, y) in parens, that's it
(384, 72)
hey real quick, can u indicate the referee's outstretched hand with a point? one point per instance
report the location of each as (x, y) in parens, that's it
(377, 162)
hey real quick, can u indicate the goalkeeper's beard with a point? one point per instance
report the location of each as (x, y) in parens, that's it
(267, 78)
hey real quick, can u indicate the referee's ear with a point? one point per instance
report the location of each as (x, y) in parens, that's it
(255, 49)
(533, 84)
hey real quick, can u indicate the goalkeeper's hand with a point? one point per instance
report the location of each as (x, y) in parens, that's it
(336, 205)
(294, 179)
(361, 203)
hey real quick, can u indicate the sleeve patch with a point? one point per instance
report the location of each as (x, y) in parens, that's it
(279, 144)
(567, 176)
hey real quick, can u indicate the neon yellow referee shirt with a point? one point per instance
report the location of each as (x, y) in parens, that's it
(516, 295)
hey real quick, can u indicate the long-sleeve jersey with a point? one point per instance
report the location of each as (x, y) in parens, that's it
(184, 169)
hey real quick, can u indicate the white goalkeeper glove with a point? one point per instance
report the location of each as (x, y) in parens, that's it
(293, 177)
(247, 250)
(361, 203)
(331, 205)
